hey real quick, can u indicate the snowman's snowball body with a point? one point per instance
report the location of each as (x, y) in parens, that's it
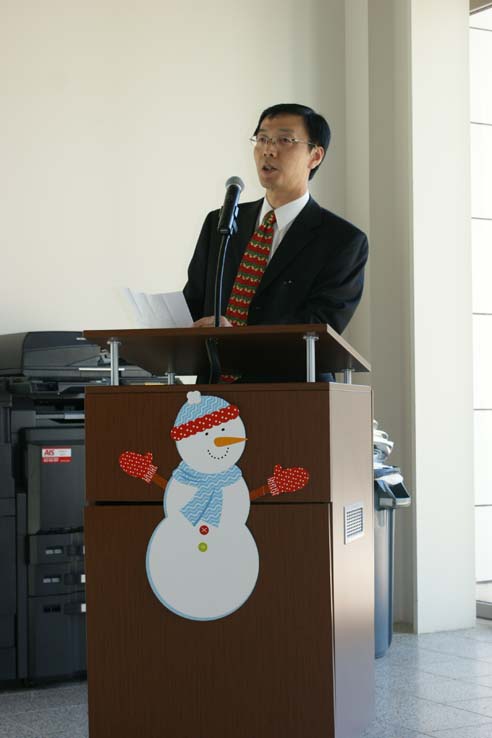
(205, 571)
(198, 584)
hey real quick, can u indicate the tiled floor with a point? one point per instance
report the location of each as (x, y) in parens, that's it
(436, 685)
(51, 712)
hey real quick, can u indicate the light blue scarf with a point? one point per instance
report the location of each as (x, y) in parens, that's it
(206, 503)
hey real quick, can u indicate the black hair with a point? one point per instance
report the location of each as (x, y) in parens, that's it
(317, 127)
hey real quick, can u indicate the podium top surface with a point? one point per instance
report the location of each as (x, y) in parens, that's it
(262, 350)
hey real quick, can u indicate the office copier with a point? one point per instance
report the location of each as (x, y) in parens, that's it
(43, 376)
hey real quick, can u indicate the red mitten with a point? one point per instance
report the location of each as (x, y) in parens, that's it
(287, 480)
(138, 465)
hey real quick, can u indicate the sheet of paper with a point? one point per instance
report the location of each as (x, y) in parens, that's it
(159, 310)
(178, 308)
(149, 318)
(129, 296)
(162, 318)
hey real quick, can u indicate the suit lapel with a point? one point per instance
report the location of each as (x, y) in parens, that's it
(296, 238)
(248, 215)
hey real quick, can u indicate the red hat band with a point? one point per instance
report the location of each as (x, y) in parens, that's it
(205, 422)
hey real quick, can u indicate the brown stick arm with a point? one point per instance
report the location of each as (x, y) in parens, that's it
(259, 492)
(160, 481)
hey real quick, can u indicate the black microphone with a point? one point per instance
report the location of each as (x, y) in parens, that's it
(228, 213)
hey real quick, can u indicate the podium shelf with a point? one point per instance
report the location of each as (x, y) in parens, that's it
(266, 351)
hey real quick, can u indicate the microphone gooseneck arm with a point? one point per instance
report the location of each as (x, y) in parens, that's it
(219, 275)
(226, 227)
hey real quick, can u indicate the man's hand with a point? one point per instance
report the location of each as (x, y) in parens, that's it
(209, 322)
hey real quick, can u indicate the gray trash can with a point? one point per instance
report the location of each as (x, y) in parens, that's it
(390, 493)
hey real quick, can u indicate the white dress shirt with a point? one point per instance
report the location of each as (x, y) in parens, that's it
(284, 217)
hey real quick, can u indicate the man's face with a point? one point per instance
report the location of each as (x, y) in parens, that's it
(284, 170)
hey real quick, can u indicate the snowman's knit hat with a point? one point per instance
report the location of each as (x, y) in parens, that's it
(200, 413)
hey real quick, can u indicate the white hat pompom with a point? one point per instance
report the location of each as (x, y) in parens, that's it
(194, 397)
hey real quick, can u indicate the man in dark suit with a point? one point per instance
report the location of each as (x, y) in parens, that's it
(314, 260)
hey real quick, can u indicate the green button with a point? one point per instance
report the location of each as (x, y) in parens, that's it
(202, 546)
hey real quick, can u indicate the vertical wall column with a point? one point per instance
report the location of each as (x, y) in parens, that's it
(442, 326)
(418, 300)
(391, 296)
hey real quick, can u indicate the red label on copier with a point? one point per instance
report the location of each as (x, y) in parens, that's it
(59, 455)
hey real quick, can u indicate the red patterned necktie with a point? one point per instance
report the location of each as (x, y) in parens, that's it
(251, 271)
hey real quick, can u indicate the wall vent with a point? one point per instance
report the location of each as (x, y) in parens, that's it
(353, 521)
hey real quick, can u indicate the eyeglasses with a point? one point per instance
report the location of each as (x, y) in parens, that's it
(282, 142)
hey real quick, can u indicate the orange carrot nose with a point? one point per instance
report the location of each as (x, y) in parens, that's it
(227, 440)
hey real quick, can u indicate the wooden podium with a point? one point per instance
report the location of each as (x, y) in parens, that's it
(297, 659)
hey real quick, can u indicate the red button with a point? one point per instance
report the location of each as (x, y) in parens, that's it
(204, 530)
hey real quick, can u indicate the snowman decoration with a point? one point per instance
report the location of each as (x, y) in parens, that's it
(202, 561)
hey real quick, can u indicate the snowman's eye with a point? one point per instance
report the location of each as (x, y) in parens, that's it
(223, 429)
(206, 433)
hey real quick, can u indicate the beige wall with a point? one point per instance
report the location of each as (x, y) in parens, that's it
(120, 123)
